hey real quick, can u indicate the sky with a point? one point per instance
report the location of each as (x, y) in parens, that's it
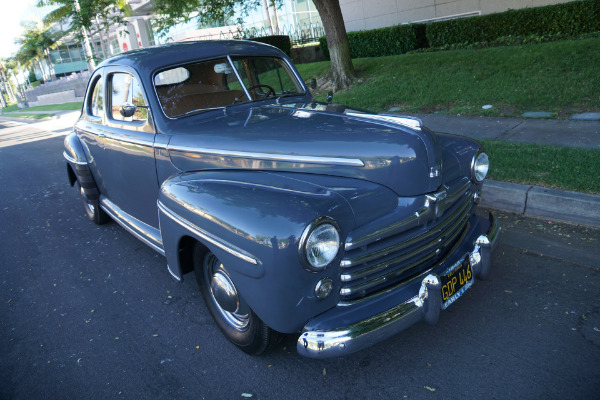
(12, 13)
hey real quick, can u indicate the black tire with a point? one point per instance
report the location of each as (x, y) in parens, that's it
(242, 327)
(92, 207)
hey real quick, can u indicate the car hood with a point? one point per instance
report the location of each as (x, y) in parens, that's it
(312, 138)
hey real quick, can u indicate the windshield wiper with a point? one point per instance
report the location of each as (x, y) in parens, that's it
(201, 110)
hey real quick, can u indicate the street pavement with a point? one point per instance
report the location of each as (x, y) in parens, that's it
(90, 312)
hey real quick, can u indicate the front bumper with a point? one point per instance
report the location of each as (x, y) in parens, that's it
(423, 306)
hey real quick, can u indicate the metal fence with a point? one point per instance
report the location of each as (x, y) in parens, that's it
(299, 34)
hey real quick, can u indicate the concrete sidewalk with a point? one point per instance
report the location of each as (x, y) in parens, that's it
(536, 201)
(56, 114)
(568, 133)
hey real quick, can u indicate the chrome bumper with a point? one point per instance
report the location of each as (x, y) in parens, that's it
(426, 306)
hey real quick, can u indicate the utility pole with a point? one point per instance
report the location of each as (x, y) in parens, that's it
(86, 42)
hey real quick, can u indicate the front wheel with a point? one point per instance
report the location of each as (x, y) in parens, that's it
(231, 313)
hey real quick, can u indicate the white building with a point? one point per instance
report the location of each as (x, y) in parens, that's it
(298, 19)
(370, 14)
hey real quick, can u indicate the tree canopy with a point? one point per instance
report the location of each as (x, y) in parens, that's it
(342, 74)
(35, 43)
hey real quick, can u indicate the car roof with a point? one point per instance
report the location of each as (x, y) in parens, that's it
(149, 59)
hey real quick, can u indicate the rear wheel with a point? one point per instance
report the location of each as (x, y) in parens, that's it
(92, 207)
(231, 313)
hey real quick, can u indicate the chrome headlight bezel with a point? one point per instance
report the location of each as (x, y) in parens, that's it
(480, 165)
(320, 226)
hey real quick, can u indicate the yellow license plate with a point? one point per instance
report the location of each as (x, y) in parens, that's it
(457, 279)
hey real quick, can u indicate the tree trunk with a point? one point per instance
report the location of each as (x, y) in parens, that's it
(268, 17)
(342, 72)
(7, 88)
(2, 102)
(275, 16)
(50, 65)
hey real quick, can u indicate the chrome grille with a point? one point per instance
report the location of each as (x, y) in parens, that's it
(378, 265)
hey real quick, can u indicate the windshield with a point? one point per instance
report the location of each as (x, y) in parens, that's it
(207, 85)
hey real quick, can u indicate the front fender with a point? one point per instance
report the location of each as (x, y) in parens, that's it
(253, 222)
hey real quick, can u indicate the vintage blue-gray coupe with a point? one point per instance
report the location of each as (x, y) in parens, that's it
(339, 225)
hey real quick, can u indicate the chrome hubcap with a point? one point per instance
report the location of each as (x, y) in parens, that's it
(224, 295)
(89, 206)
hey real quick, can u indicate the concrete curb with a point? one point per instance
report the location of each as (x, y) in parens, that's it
(540, 202)
(17, 119)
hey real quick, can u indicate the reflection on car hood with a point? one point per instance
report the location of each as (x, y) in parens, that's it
(312, 138)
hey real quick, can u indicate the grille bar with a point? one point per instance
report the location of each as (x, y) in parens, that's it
(349, 262)
(348, 291)
(376, 266)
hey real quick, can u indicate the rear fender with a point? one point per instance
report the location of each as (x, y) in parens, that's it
(78, 169)
(253, 222)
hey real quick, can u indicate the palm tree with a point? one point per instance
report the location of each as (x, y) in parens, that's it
(7, 89)
(12, 66)
(35, 45)
(86, 18)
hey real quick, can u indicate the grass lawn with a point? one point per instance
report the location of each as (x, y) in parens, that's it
(12, 107)
(549, 166)
(559, 77)
(25, 115)
(57, 107)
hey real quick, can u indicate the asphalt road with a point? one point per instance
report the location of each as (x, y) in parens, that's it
(90, 312)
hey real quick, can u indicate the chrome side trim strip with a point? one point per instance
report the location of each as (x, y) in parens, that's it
(350, 162)
(72, 160)
(220, 243)
(132, 225)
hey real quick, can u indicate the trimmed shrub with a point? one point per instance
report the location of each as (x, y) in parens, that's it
(282, 42)
(388, 41)
(572, 18)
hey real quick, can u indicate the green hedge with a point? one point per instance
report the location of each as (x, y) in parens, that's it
(388, 41)
(572, 18)
(282, 42)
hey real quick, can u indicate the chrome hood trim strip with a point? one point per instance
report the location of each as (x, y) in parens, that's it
(409, 122)
(351, 162)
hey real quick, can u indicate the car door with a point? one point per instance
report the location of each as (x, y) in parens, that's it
(122, 148)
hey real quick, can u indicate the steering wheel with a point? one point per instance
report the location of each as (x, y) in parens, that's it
(270, 90)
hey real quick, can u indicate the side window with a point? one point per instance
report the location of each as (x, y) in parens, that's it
(126, 91)
(96, 102)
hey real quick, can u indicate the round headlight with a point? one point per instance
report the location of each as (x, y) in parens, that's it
(320, 244)
(480, 166)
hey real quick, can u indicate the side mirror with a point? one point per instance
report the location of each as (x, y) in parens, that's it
(329, 97)
(127, 110)
(313, 84)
